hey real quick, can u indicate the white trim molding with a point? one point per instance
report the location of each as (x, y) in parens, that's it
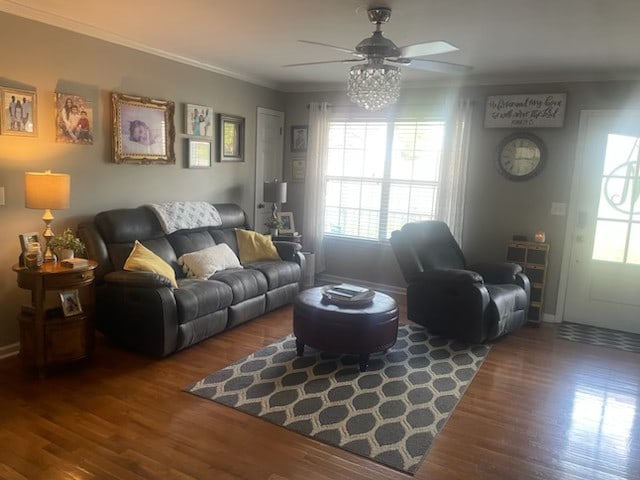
(32, 13)
(10, 350)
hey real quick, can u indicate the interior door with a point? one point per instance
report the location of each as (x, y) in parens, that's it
(269, 159)
(603, 287)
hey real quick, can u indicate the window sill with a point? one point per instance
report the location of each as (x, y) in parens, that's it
(355, 240)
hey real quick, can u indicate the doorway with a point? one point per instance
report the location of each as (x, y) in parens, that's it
(603, 271)
(269, 159)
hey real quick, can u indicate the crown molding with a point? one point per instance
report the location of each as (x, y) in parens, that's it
(31, 13)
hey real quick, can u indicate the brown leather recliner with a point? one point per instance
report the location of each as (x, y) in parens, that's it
(472, 303)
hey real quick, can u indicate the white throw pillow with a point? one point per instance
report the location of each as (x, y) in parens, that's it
(204, 263)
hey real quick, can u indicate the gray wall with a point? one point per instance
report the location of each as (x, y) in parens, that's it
(51, 59)
(496, 208)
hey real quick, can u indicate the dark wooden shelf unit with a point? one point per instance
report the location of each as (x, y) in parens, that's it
(534, 258)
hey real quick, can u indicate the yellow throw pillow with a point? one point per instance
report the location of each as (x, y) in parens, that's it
(141, 259)
(254, 247)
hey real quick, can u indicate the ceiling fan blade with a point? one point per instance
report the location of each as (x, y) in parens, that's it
(428, 48)
(326, 61)
(434, 66)
(340, 49)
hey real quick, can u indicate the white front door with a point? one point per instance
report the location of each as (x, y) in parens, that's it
(269, 160)
(603, 284)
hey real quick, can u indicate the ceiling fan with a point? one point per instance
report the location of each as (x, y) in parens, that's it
(377, 49)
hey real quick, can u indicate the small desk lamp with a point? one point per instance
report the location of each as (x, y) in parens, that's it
(275, 192)
(48, 191)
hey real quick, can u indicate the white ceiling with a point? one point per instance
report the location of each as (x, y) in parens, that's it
(504, 40)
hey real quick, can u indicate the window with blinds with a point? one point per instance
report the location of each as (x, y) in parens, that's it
(381, 175)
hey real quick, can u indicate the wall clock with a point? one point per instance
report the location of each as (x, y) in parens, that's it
(521, 156)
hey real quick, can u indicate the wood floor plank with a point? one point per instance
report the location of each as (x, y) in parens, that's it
(538, 409)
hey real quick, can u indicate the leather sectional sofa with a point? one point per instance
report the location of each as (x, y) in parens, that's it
(141, 311)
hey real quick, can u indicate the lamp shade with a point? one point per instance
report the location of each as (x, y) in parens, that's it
(275, 191)
(46, 190)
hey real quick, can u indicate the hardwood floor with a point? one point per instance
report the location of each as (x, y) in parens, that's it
(539, 408)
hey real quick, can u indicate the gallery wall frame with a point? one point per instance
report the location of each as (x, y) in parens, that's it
(19, 112)
(299, 138)
(143, 130)
(198, 153)
(74, 119)
(198, 120)
(231, 138)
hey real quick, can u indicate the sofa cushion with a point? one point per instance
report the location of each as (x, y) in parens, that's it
(142, 259)
(190, 241)
(206, 262)
(278, 273)
(254, 247)
(196, 298)
(245, 283)
(227, 236)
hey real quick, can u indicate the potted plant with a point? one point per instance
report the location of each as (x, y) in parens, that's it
(273, 223)
(67, 245)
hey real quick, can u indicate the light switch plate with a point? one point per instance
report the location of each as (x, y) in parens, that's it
(558, 209)
(1, 195)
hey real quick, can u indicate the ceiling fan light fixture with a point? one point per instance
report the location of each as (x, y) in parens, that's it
(373, 86)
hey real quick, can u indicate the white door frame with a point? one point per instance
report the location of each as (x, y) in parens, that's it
(259, 112)
(572, 218)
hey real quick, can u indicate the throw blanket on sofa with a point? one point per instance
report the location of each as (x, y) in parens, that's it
(174, 216)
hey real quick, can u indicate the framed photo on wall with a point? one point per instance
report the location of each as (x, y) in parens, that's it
(19, 112)
(143, 130)
(198, 120)
(74, 119)
(231, 138)
(298, 170)
(199, 153)
(299, 138)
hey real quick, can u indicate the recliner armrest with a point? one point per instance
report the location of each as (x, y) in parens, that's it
(127, 278)
(448, 275)
(497, 273)
(287, 250)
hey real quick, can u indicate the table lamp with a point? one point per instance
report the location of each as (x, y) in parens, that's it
(48, 191)
(275, 192)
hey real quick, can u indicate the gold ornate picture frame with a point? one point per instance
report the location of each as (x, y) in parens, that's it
(143, 130)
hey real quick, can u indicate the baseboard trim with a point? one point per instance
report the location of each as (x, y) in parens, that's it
(10, 350)
(549, 318)
(381, 287)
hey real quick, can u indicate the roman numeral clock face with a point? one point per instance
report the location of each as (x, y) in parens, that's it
(521, 156)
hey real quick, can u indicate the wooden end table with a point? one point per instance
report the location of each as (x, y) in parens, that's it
(47, 336)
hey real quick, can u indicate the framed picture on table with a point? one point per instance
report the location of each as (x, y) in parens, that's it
(287, 222)
(70, 301)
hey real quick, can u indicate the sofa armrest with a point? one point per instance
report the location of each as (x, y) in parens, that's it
(497, 273)
(126, 278)
(287, 250)
(448, 275)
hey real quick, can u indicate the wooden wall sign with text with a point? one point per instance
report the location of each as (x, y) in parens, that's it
(544, 110)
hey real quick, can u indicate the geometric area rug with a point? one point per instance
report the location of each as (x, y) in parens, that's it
(391, 413)
(604, 337)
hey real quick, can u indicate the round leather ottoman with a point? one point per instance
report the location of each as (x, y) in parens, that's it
(358, 331)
